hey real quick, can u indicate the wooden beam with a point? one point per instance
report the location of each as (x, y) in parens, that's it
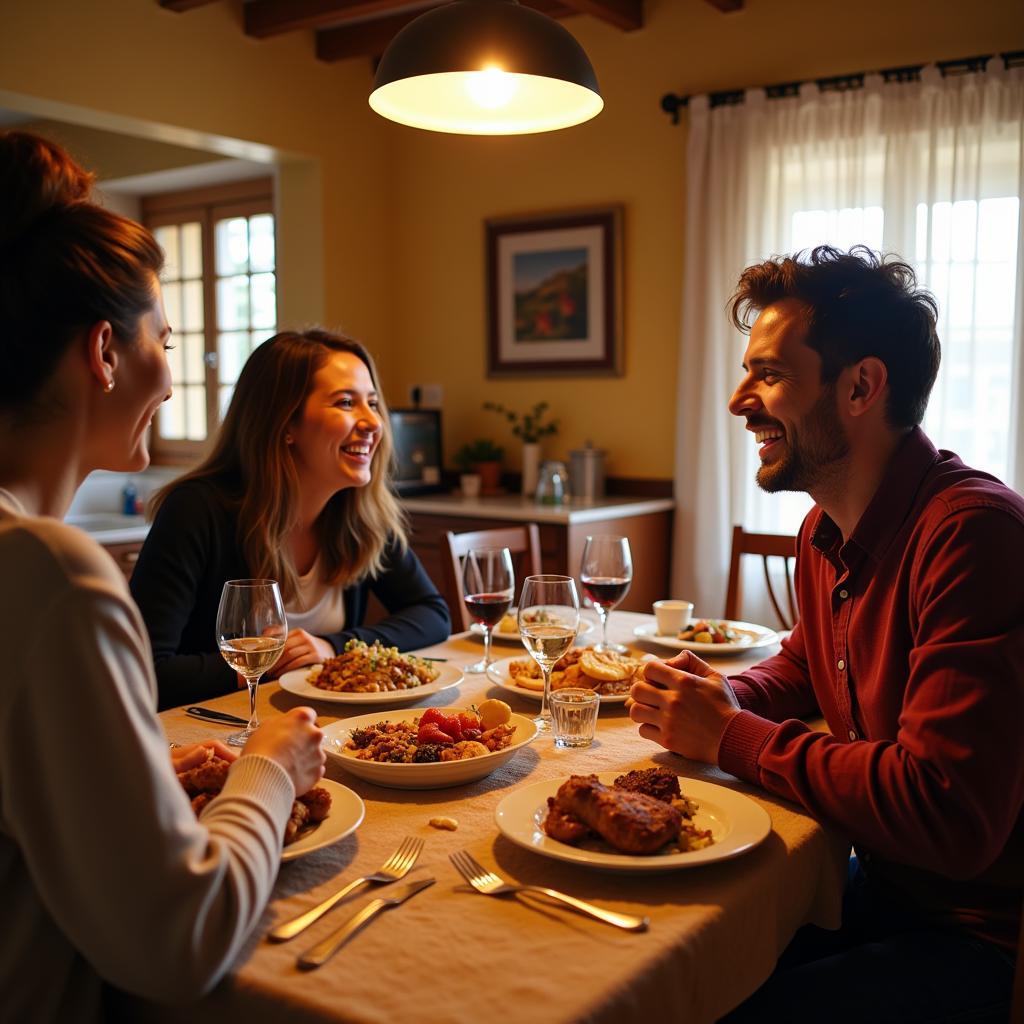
(624, 14)
(271, 17)
(727, 6)
(370, 38)
(182, 5)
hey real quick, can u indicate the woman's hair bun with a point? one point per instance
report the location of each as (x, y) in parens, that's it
(36, 177)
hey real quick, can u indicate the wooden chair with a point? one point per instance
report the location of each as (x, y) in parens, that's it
(767, 545)
(523, 543)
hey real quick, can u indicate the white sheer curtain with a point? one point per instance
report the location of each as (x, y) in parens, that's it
(932, 170)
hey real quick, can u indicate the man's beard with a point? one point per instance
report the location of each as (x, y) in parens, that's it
(813, 457)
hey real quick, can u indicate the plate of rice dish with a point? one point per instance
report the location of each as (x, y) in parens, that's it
(371, 674)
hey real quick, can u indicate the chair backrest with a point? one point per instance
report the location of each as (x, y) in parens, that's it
(523, 543)
(767, 545)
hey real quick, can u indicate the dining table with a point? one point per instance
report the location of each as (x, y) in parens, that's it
(450, 954)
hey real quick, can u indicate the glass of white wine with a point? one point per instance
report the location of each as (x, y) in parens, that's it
(549, 617)
(251, 630)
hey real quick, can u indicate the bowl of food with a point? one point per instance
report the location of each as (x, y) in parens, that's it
(429, 749)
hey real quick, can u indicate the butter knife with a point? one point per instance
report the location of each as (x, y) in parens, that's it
(209, 715)
(319, 954)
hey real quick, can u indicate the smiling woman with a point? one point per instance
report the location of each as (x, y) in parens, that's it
(296, 489)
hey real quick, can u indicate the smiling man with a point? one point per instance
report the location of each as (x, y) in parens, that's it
(910, 584)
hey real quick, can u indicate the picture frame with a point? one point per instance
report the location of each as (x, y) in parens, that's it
(554, 294)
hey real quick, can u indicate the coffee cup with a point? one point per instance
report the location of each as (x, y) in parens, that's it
(672, 616)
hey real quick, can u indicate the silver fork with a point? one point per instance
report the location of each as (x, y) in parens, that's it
(394, 868)
(491, 884)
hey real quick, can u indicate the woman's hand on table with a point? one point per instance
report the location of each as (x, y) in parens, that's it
(293, 741)
(302, 648)
(194, 754)
(684, 705)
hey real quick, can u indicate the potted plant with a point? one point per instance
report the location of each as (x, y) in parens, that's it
(483, 457)
(530, 428)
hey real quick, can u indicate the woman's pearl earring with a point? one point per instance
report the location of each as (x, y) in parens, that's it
(109, 386)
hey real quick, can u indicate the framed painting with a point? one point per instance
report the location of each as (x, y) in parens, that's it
(554, 294)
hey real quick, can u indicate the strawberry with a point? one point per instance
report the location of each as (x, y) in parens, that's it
(469, 720)
(431, 733)
(435, 715)
(451, 725)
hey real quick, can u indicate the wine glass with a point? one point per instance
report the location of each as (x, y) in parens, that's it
(488, 586)
(606, 574)
(549, 616)
(251, 630)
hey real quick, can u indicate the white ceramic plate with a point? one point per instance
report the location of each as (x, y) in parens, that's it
(513, 637)
(498, 673)
(346, 815)
(751, 637)
(737, 823)
(297, 682)
(438, 775)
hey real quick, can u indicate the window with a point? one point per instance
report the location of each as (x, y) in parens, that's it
(219, 286)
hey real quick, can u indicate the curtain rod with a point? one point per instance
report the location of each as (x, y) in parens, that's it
(671, 102)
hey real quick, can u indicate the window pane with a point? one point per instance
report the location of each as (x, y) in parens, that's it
(191, 250)
(192, 306)
(172, 304)
(997, 230)
(264, 301)
(261, 242)
(232, 246)
(233, 302)
(167, 239)
(195, 404)
(233, 350)
(176, 364)
(171, 416)
(195, 368)
(224, 398)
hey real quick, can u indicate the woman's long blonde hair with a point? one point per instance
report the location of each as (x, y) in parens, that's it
(251, 453)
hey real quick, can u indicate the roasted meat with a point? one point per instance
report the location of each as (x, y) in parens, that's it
(631, 822)
(564, 827)
(657, 782)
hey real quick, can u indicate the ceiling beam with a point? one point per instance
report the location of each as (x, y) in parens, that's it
(726, 6)
(370, 38)
(271, 17)
(183, 5)
(624, 14)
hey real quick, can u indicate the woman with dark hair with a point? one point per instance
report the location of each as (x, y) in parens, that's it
(105, 872)
(297, 489)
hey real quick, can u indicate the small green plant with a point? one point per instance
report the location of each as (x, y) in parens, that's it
(480, 450)
(530, 427)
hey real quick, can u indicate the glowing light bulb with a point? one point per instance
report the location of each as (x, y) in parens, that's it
(491, 88)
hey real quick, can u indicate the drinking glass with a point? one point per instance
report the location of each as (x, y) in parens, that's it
(549, 616)
(606, 574)
(574, 716)
(488, 586)
(251, 630)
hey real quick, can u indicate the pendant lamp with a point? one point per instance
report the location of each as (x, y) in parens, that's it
(485, 67)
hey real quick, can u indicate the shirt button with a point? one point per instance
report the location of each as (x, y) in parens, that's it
(853, 734)
(843, 594)
(841, 664)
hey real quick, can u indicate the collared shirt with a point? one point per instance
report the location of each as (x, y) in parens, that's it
(911, 645)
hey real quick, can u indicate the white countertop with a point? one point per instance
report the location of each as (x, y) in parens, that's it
(520, 509)
(110, 527)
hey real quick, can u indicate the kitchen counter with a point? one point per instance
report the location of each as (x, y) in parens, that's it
(111, 527)
(516, 508)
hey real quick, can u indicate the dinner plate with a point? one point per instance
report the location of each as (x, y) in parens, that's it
(346, 815)
(751, 637)
(498, 673)
(512, 636)
(737, 823)
(437, 775)
(297, 682)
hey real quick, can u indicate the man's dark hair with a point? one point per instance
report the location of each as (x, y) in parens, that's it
(861, 304)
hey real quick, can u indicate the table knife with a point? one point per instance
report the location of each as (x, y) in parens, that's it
(319, 954)
(209, 715)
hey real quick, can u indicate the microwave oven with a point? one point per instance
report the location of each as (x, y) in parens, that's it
(417, 440)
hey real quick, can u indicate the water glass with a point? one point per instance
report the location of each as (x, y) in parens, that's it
(574, 716)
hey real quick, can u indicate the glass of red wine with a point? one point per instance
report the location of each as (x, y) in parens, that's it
(487, 585)
(606, 574)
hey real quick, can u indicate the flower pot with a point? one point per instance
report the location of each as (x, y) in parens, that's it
(470, 484)
(490, 476)
(531, 463)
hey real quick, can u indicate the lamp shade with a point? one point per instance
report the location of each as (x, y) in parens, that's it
(485, 67)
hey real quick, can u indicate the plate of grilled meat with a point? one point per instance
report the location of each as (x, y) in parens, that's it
(643, 820)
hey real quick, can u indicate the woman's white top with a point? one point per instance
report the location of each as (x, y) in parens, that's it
(319, 607)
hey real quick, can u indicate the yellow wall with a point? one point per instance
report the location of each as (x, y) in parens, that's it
(382, 226)
(447, 186)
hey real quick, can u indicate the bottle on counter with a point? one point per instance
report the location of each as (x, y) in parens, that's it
(129, 497)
